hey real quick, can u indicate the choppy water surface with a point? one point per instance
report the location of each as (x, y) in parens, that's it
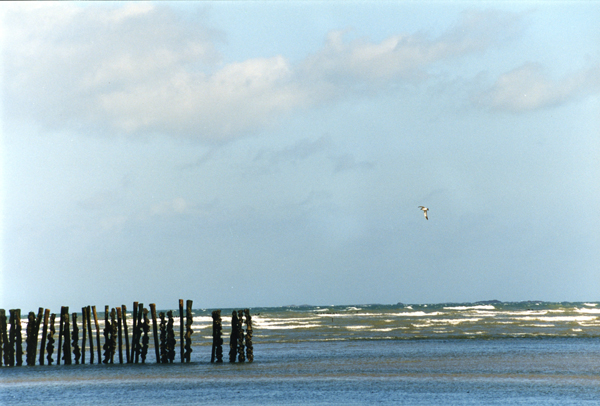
(463, 354)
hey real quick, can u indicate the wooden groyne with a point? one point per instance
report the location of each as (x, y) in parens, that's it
(76, 336)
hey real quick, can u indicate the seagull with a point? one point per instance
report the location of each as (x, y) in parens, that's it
(424, 211)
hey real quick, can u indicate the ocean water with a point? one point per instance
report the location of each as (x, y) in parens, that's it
(528, 353)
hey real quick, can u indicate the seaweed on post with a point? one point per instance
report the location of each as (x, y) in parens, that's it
(50, 346)
(164, 358)
(171, 342)
(75, 339)
(249, 347)
(188, 331)
(145, 339)
(30, 329)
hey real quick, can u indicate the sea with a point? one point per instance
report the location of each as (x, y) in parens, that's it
(485, 353)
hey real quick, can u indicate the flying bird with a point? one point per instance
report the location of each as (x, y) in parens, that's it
(424, 211)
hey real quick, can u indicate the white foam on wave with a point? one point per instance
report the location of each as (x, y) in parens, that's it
(386, 330)
(357, 327)
(525, 313)
(287, 327)
(455, 321)
(482, 307)
(589, 311)
(558, 318)
(331, 315)
(416, 314)
(590, 304)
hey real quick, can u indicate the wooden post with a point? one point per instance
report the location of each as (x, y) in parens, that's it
(113, 335)
(98, 347)
(171, 341)
(67, 334)
(18, 338)
(134, 332)
(145, 339)
(189, 319)
(106, 335)
(138, 332)
(30, 358)
(84, 335)
(60, 335)
(3, 338)
(233, 338)
(50, 346)
(241, 354)
(38, 321)
(249, 346)
(217, 346)
(88, 316)
(164, 359)
(75, 339)
(126, 333)
(181, 335)
(119, 332)
(155, 332)
(44, 332)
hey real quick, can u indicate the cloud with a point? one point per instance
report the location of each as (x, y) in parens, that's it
(301, 150)
(347, 162)
(175, 206)
(140, 69)
(407, 56)
(527, 88)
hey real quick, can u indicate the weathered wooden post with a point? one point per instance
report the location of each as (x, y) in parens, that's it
(126, 333)
(50, 346)
(34, 341)
(181, 334)
(241, 354)
(134, 332)
(60, 335)
(75, 339)
(188, 331)
(145, 337)
(138, 332)
(217, 346)
(30, 331)
(3, 338)
(44, 332)
(67, 336)
(155, 332)
(164, 358)
(84, 335)
(107, 338)
(18, 338)
(113, 335)
(88, 311)
(120, 333)
(171, 341)
(98, 347)
(233, 338)
(249, 346)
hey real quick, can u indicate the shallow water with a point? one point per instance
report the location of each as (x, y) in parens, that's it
(543, 355)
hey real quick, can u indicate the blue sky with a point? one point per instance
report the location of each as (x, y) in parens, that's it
(275, 153)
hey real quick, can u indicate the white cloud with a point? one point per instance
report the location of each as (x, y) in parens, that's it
(528, 88)
(142, 69)
(171, 207)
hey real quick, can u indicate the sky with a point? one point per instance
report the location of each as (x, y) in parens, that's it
(248, 154)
